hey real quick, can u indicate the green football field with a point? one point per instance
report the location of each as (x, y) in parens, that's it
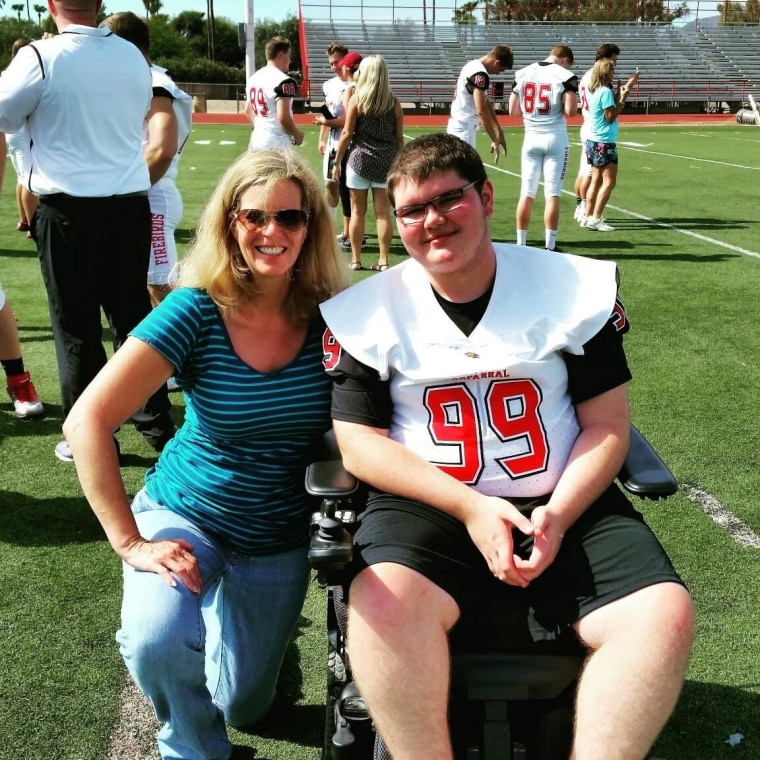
(687, 243)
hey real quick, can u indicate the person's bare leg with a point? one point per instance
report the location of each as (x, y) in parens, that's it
(609, 180)
(10, 347)
(593, 189)
(357, 223)
(630, 684)
(551, 219)
(522, 217)
(28, 202)
(583, 187)
(383, 222)
(157, 293)
(22, 217)
(398, 626)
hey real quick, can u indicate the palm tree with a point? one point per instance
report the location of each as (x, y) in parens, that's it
(39, 10)
(18, 7)
(211, 28)
(152, 7)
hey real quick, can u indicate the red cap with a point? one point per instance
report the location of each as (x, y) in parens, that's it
(352, 60)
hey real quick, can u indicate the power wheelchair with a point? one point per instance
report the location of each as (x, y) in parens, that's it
(512, 703)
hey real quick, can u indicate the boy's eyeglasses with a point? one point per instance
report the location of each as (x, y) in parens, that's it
(443, 204)
(291, 219)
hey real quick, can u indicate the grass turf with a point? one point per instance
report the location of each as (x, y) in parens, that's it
(687, 246)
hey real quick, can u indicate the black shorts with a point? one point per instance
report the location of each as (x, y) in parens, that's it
(608, 553)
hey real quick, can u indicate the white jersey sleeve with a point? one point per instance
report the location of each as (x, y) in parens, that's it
(473, 76)
(583, 101)
(491, 409)
(182, 104)
(333, 90)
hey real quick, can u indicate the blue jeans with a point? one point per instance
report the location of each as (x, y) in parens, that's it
(214, 657)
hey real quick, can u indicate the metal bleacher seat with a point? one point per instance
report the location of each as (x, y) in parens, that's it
(424, 59)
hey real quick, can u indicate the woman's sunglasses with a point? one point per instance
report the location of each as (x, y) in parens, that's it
(291, 219)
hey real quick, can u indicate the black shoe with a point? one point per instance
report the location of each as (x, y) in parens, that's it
(557, 249)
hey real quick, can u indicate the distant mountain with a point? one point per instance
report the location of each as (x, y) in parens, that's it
(703, 21)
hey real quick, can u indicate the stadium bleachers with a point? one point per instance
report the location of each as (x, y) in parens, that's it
(699, 65)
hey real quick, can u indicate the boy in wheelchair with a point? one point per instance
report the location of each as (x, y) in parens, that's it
(480, 392)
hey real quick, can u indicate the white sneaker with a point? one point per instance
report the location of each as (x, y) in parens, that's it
(579, 213)
(63, 451)
(600, 225)
(583, 221)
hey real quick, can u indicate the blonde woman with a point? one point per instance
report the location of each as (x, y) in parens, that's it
(214, 546)
(373, 133)
(605, 105)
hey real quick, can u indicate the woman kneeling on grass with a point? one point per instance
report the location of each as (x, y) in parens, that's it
(214, 545)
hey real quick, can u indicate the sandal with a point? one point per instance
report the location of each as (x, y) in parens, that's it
(356, 265)
(23, 226)
(379, 267)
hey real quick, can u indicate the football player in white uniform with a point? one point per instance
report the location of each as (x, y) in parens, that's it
(472, 106)
(331, 121)
(605, 50)
(480, 392)
(165, 132)
(544, 93)
(270, 92)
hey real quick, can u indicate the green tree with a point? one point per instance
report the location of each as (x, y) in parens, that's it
(211, 29)
(39, 10)
(739, 12)
(166, 41)
(191, 26)
(18, 7)
(152, 7)
(465, 13)
(266, 29)
(227, 43)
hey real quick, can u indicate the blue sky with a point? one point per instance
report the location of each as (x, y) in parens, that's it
(232, 9)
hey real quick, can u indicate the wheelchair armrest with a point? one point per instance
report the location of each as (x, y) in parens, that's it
(329, 480)
(644, 474)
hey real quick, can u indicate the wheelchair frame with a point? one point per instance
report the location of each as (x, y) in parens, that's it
(505, 705)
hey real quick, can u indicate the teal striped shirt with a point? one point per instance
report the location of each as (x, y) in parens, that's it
(236, 466)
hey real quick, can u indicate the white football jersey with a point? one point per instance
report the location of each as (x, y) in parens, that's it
(265, 87)
(541, 88)
(182, 104)
(583, 101)
(333, 90)
(496, 402)
(472, 76)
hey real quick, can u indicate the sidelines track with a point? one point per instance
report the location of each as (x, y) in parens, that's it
(439, 120)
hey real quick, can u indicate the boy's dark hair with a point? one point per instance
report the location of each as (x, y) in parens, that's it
(436, 153)
(130, 27)
(607, 50)
(336, 47)
(275, 46)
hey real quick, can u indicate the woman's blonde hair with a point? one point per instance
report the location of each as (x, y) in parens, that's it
(373, 88)
(602, 74)
(215, 262)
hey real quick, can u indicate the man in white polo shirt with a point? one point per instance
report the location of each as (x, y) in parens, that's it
(92, 225)
(166, 130)
(270, 92)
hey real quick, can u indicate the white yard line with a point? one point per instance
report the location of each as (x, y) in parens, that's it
(655, 222)
(729, 522)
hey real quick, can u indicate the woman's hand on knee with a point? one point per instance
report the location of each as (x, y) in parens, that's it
(170, 560)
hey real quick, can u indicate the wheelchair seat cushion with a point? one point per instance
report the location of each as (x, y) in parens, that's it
(609, 553)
